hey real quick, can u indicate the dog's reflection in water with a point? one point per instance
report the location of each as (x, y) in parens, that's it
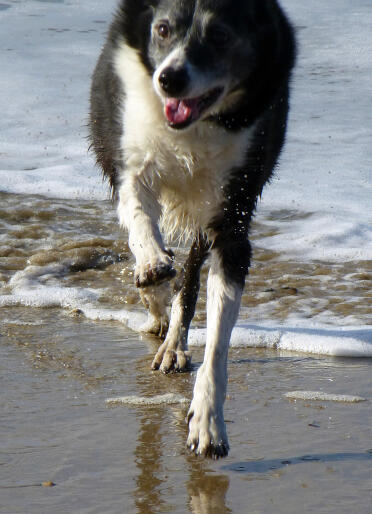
(208, 494)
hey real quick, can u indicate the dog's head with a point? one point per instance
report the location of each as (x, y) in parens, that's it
(204, 54)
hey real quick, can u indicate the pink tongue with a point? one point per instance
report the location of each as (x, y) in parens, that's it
(178, 111)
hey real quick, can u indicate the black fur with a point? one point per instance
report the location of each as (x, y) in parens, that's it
(191, 279)
(245, 187)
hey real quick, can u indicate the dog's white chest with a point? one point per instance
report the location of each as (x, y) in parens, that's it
(185, 169)
(192, 169)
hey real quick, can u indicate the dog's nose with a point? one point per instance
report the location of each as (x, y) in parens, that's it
(173, 81)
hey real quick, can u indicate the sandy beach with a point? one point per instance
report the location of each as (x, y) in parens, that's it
(298, 410)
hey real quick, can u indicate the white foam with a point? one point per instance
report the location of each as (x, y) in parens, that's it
(338, 342)
(132, 319)
(163, 399)
(320, 395)
(49, 296)
(34, 275)
(325, 167)
(61, 182)
(342, 342)
(20, 323)
(38, 286)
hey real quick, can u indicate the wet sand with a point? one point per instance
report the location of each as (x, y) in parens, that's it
(58, 368)
(286, 456)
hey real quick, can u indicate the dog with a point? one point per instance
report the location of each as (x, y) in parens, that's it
(189, 104)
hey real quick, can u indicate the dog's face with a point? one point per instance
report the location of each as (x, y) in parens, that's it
(202, 51)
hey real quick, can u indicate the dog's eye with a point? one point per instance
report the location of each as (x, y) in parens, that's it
(218, 36)
(163, 30)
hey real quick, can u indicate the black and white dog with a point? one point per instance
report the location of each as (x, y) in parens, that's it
(189, 105)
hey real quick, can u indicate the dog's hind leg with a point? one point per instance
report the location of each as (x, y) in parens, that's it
(173, 354)
(156, 299)
(207, 432)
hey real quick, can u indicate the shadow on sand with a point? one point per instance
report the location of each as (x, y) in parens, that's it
(265, 466)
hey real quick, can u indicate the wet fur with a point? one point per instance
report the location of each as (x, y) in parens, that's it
(200, 183)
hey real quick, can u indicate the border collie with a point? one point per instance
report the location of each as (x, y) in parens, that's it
(189, 104)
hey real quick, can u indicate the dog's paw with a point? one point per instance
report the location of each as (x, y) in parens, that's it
(155, 271)
(207, 432)
(167, 360)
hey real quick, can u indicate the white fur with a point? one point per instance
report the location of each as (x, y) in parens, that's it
(173, 352)
(175, 59)
(156, 300)
(206, 411)
(199, 83)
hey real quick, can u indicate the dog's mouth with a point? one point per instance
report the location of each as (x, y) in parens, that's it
(181, 112)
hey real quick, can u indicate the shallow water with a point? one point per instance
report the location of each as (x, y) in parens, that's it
(57, 371)
(58, 368)
(78, 245)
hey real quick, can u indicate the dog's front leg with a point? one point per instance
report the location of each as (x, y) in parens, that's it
(139, 212)
(207, 432)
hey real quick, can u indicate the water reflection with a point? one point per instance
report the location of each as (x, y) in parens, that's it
(149, 462)
(206, 491)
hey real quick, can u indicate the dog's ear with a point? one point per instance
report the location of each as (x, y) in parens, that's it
(133, 21)
(132, 18)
